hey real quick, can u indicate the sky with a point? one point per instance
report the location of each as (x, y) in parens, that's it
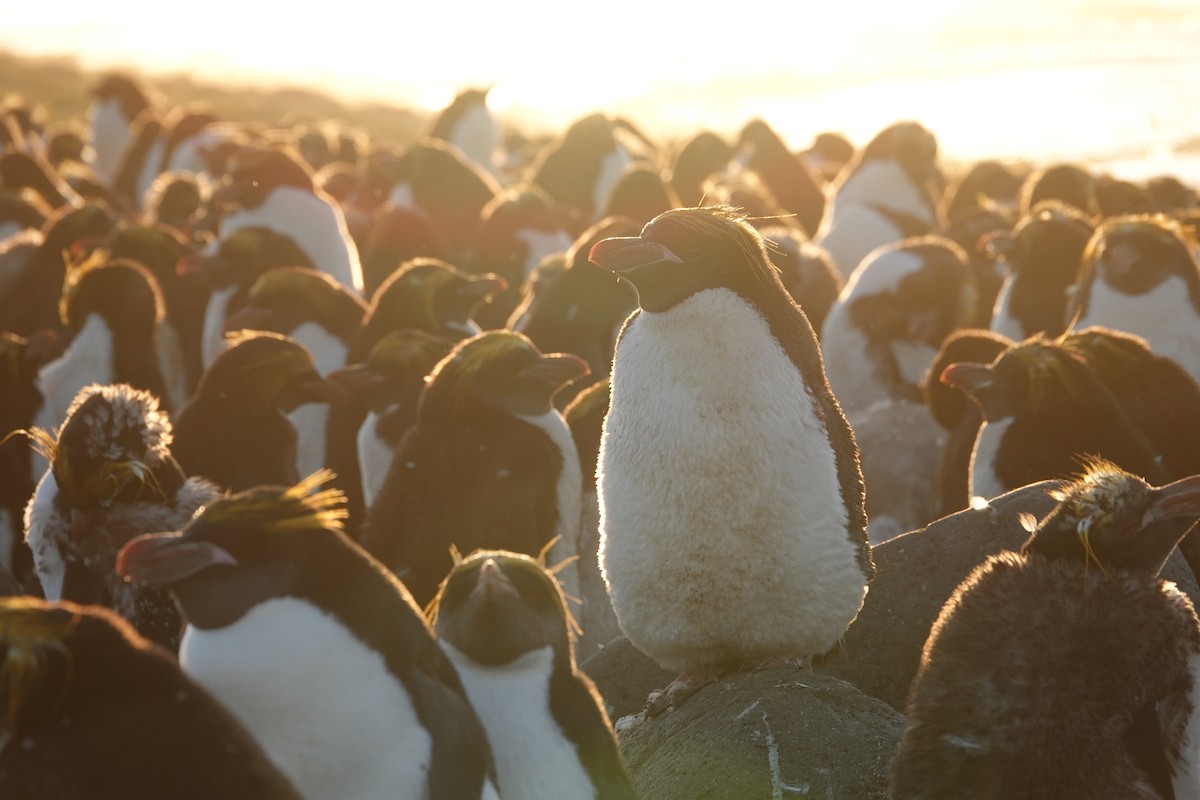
(989, 76)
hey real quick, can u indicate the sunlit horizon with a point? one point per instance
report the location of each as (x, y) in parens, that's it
(990, 78)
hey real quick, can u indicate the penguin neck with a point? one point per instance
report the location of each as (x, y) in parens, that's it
(884, 183)
(136, 361)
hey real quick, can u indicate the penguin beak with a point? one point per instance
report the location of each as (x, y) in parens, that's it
(165, 558)
(355, 378)
(556, 369)
(1178, 500)
(482, 287)
(622, 254)
(248, 318)
(202, 266)
(968, 377)
(492, 583)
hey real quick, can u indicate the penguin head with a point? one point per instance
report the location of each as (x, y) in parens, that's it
(21, 357)
(157, 247)
(68, 225)
(259, 371)
(912, 146)
(496, 605)
(240, 550)
(1031, 375)
(35, 662)
(284, 297)
(500, 370)
(396, 365)
(256, 172)
(1069, 184)
(1133, 254)
(177, 199)
(1050, 239)
(243, 256)
(113, 446)
(946, 402)
(1116, 520)
(122, 292)
(132, 97)
(687, 250)
(431, 295)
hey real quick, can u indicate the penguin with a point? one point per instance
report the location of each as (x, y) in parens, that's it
(641, 194)
(31, 300)
(272, 189)
(169, 144)
(885, 193)
(23, 171)
(580, 308)
(518, 230)
(1116, 197)
(1068, 669)
(235, 430)
(806, 270)
(437, 179)
(240, 259)
(489, 463)
(469, 125)
(117, 100)
(1042, 259)
(318, 313)
(394, 236)
(424, 294)
(1044, 409)
(1156, 391)
(502, 619)
(794, 187)
(111, 477)
(597, 620)
(160, 248)
(828, 154)
(113, 310)
(177, 199)
(390, 382)
(1069, 184)
(886, 325)
(19, 214)
(579, 168)
(701, 156)
(20, 359)
(1140, 274)
(283, 614)
(718, 347)
(985, 184)
(94, 711)
(954, 411)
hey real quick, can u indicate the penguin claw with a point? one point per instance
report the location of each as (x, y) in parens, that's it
(679, 690)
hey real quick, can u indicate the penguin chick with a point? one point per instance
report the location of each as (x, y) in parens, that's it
(488, 463)
(234, 431)
(1068, 670)
(1140, 274)
(283, 614)
(733, 528)
(112, 477)
(503, 621)
(95, 711)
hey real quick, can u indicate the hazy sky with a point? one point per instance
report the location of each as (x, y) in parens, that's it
(972, 66)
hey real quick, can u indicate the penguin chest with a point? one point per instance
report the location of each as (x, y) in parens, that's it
(984, 481)
(534, 759)
(374, 457)
(721, 510)
(213, 339)
(1163, 316)
(46, 525)
(324, 706)
(109, 130)
(88, 360)
(312, 419)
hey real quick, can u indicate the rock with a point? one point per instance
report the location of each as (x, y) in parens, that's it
(625, 676)
(768, 734)
(918, 571)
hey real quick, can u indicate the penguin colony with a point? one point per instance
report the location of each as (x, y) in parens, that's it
(317, 447)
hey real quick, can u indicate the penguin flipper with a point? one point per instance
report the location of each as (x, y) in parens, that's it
(576, 707)
(461, 761)
(1147, 748)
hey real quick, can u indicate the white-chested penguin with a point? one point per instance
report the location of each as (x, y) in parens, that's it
(273, 189)
(887, 192)
(502, 619)
(489, 463)
(468, 124)
(95, 711)
(732, 514)
(1070, 669)
(112, 477)
(318, 313)
(1140, 274)
(886, 325)
(316, 648)
(117, 100)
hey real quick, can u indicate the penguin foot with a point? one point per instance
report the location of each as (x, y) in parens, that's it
(680, 689)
